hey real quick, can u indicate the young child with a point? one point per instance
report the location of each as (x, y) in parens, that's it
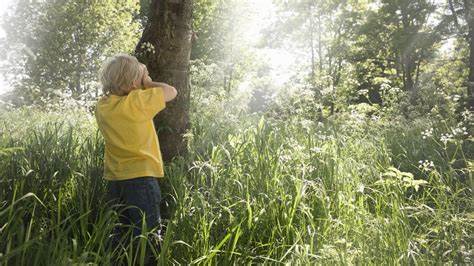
(132, 160)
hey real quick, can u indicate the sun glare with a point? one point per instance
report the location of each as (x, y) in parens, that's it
(4, 6)
(279, 60)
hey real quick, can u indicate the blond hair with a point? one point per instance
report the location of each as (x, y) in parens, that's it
(119, 73)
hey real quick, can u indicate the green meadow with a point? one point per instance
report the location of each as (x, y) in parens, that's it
(350, 190)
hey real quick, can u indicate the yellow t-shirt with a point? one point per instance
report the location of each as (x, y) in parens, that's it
(131, 143)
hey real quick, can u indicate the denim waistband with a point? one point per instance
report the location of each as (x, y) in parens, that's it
(134, 179)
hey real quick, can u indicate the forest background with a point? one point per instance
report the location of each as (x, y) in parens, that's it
(320, 131)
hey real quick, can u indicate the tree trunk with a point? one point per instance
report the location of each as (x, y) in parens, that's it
(169, 32)
(470, 84)
(469, 12)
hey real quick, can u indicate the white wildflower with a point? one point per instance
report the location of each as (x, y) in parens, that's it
(426, 165)
(427, 133)
(467, 115)
(445, 138)
(285, 158)
(363, 92)
(306, 124)
(321, 136)
(148, 47)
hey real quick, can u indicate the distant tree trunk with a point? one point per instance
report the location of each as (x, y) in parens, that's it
(409, 71)
(469, 12)
(320, 44)
(315, 87)
(311, 38)
(78, 87)
(229, 62)
(169, 32)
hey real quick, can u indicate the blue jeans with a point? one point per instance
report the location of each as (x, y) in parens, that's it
(136, 195)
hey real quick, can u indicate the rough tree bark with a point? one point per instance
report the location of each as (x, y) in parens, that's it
(165, 48)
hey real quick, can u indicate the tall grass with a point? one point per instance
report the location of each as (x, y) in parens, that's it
(265, 191)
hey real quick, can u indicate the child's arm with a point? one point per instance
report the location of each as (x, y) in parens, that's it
(169, 91)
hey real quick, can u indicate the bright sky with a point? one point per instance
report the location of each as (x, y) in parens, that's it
(279, 60)
(258, 18)
(4, 4)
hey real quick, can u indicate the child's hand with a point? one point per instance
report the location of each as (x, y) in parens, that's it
(169, 91)
(145, 80)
